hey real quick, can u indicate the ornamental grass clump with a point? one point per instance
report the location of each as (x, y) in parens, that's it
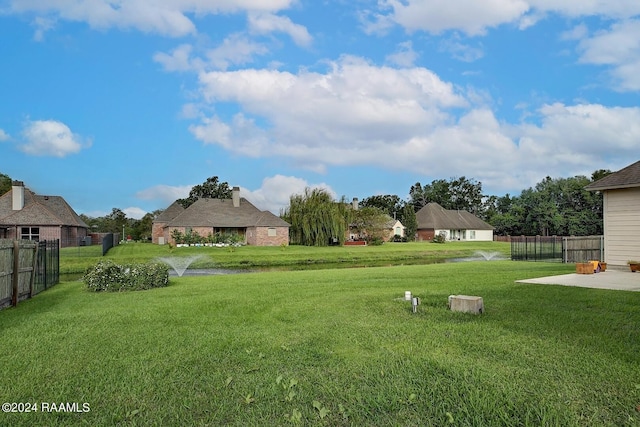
(112, 277)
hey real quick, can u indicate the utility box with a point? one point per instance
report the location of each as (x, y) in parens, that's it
(466, 304)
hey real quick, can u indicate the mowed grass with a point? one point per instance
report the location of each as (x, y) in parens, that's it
(329, 348)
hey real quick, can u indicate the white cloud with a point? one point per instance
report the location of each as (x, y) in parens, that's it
(42, 24)
(51, 138)
(469, 16)
(166, 17)
(405, 56)
(275, 192)
(359, 114)
(615, 9)
(576, 33)
(266, 23)
(475, 18)
(461, 51)
(165, 193)
(3, 136)
(619, 48)
(134, 212)
(236, 49)
(178, 60)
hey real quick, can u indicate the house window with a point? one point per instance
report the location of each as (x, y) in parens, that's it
(30, 233)
(271, 232)
(398, 231)
(472, 234)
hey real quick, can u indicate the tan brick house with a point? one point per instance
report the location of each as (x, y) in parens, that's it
(210, 216)
(26, 215)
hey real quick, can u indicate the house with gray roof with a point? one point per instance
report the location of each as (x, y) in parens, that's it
(26, 215)
(210, 216)
(434, 220)
(621, 214)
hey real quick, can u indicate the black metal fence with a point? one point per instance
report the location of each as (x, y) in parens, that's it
(536, 248)
(107, 243)
(557, 248)
(48, 265)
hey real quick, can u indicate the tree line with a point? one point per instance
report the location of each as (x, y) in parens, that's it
(554, 206)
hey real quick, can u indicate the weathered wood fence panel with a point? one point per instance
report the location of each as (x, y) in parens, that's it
(583, 248)
(24, 271)
(6, 272)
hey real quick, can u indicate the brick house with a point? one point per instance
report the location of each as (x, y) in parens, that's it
(210, 216)
(433, 220)
(26, 215)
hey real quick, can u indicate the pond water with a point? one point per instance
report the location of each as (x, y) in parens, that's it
(478, 256)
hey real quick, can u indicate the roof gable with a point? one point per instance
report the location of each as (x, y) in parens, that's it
(170, 213)
(433, 216)
(38, 210)
(222, 213)
(627, 177)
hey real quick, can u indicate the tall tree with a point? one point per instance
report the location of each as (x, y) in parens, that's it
(554, 206)
(457, 193)
(389, 203)
(210, 189)
(370, 221)
(5, 183)
(409, 221)
(316, 219)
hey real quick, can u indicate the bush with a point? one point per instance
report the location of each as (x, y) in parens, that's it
(109, 276)
(440, 238)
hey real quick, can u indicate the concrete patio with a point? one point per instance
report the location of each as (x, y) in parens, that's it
(622, 280)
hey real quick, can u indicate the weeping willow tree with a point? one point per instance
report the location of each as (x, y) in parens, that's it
(316, 219)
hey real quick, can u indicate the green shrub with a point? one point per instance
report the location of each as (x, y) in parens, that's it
(440, 238)
(109, 276)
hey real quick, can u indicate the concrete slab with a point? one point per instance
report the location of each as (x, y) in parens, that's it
(610, 279)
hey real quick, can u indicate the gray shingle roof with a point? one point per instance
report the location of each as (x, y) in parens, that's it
(628, 177)
(434, 216)
(222, 213)
(171, 212)
(38, 210)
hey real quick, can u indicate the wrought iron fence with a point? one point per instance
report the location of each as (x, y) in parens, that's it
(48, 265)
(557, 248)
(536, 248)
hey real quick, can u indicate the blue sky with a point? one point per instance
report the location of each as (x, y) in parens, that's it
(127, 104)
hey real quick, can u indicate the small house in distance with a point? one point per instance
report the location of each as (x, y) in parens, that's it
(621, 214)
(26, 215)
(434, 220)
(210, 216)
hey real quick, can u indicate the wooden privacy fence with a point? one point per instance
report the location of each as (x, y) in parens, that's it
(26, 269)
(557, 248)
(583, 249)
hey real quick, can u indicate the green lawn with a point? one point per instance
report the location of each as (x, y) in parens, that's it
(329, 347)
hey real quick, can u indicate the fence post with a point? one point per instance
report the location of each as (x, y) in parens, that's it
(34, 264)
(16, 272)
(45, 267)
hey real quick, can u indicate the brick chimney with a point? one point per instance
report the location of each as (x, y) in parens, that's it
(17, 193)
(354, 204)
(235, 195)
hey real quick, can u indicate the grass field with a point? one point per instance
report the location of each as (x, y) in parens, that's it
(329, 347)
